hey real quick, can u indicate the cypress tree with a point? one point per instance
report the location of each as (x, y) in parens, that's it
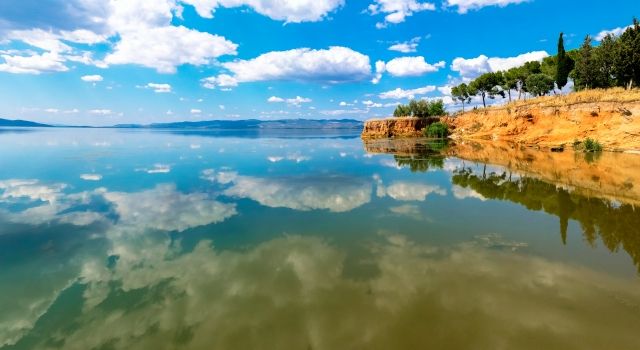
(564, 65)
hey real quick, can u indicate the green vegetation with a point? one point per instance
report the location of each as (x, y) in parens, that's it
(591, 145)
(420, 109)
(488, 85)
(463, 93)
(437, 130)
(564, 64)
(430, 156)
(615, 62)
(539, 84)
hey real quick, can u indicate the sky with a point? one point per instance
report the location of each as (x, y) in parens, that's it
(104, 62)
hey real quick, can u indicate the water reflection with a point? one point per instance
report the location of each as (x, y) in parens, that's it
(617, 224)
(251, 248)
(294, 291)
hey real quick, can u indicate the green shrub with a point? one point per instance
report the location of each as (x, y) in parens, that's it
(437, 130)
(591, 145)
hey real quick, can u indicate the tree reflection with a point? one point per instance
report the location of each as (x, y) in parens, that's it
(617, 225)
(425, 157)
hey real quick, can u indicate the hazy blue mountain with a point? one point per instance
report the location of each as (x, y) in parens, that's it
(21, 123)
(255, 124)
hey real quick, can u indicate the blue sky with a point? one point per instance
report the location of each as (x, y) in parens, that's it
(101, 62)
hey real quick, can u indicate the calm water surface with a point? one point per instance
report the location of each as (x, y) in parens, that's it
(157, 240)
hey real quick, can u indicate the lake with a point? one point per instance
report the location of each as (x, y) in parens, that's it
(135, 239)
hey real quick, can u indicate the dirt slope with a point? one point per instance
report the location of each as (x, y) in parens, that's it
(612, 117)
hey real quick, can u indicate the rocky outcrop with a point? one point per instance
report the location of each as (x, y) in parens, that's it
(395, 127)
(612, 117)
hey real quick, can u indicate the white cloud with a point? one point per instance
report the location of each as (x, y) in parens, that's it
(473, 67)
(407, 46)
(615, 32)
(159, 169)
(196, 111)
(159, 88)
(380, 67)
(371, 104)
(92, 78)
(465, 6)
(166, 48)
(222, 80)
(82, 36)
(34, 64)
(411, 66)
(399, 93)
(296, 101)
(101, 111)
(39, 38)
(91, 177)
(288, 11)
(333, 65)
(397, 10)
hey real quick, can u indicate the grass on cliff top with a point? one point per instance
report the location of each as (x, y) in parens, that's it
(617, 95)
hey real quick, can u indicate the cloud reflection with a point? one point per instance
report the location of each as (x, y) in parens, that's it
(293, 292)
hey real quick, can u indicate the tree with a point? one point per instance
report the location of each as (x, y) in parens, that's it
(564, 64)
(487, 85)
(436, 108)
(463, 93)
(510, 81)
(539, 84)
(603, 60)
(626, 63)
(420, 109)
(402, 111)
(586, 72)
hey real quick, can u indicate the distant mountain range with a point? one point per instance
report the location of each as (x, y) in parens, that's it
(22, 123)
(312, 124)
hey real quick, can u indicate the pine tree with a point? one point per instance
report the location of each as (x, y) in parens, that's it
(626, 65)
(586, 71)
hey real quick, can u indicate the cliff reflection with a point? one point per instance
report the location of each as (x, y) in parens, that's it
(617, 224)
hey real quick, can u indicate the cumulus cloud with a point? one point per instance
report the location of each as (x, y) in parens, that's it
(473, 67)
(159, 88)
(411, 66)
(396, 11)
(407, 46)
(223, 81)
(33, 64)
(166, 48)
(333, 65)
(296, 101)
(288, 11)
(101, 111)
(92, 78)
(142, 31)
(615, 32)
(399, 93)
(465, 6)
(91, 177)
